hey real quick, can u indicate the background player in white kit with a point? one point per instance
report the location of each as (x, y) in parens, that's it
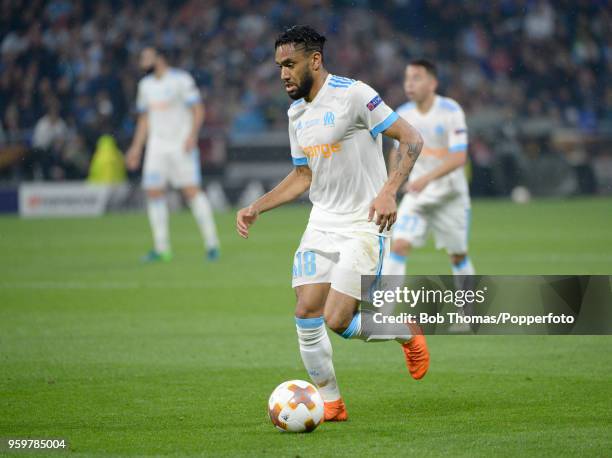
(170, 116)
(334, 130)
(437, 196)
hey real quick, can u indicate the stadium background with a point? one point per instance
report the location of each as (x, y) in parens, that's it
(531, 75)
(179, 358)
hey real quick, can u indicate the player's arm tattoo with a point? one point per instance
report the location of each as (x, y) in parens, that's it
(403, 158)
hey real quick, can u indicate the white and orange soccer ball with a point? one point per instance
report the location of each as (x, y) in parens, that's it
(296, 406)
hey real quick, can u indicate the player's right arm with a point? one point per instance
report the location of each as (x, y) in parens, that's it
(292, 187)
(134, 153)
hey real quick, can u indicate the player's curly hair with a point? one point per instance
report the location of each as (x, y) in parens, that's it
(301, 35)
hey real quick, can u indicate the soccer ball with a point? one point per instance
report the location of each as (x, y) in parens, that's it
(296, 406)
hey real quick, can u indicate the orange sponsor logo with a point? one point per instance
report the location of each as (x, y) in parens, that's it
(326, 150)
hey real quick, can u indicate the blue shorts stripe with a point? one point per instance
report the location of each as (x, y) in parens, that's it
(381, 252)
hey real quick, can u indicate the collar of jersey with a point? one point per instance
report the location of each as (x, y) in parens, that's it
(320, 93)
(431, 108)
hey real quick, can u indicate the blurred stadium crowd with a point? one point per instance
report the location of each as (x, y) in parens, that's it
(532, 75)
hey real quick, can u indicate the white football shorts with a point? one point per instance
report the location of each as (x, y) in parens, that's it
(175, 167)
(448, 220)
(338, 259)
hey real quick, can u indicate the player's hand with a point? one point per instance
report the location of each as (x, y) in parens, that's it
(191, 143)
(385, 209)
(132, 158)
(245, 218)
(418, 185)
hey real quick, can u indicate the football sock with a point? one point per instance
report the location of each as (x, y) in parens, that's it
(394, 264)
(465, 267)
(464, 280)
(202, 212)
(364, 328)
(394, 276)
(157, 209)
(316, 351)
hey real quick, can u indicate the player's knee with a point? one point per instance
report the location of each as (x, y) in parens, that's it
(305, 309)
(337, 321)
(457, 259)
(155, 193)
(190, 192)
(401, 247)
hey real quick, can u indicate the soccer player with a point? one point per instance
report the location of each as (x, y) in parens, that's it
(437, 197)
(335, 127)
(170, 116)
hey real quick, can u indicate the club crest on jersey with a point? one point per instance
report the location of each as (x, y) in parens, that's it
(374, 102)
(329, 119)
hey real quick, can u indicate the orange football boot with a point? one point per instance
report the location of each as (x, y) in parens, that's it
(416, 353)
(335, 411)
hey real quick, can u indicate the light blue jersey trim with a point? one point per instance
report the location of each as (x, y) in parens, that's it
(384, 125)
(353, 327)
(299, 160)
(458, 148)
(309, 323)
(297, 102)
(449, 105)
(342, 78)
(340, 82)
(193, 100)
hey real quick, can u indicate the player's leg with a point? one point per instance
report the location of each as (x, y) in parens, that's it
(187, 175)
(409, 231)
(312, 265)
(315, 346)
(203, 214)
(343, 316)
(450, 225)
(462, 264)
(363, 254)
(154, 183)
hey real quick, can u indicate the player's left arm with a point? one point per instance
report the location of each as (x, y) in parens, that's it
(401, 164)
(377, 117)
(456, 157)
(191, 96)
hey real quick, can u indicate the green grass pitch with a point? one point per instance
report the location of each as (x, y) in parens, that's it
(180, 358)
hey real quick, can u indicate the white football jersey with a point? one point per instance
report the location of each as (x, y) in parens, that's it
(167, 101)
(444, 131)
(338, 136)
